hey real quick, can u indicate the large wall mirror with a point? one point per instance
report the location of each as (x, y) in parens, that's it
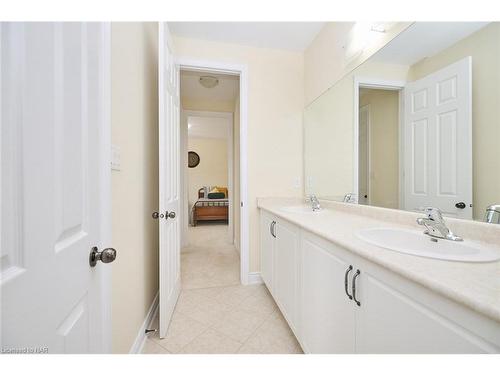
(416, 125)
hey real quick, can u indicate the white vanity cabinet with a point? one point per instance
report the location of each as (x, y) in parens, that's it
(267, 245)
(326, 312)
(311, 280)
(280, 264)
(398, 316)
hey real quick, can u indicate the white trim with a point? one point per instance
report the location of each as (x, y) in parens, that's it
(140, 339)
(184, 204)
(230, 184)
(255, 278)
(368, 152)
(229, 138)
(242, 70)
(373, 83)
(401, 121)
(105, 188)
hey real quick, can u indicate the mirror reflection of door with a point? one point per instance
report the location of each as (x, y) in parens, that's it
(437, 141)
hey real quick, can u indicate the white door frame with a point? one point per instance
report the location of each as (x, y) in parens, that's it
(230, 156)
(381, 84)
(368, 151)
(242, 71)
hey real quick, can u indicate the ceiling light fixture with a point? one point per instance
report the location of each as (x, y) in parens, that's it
(209, 82)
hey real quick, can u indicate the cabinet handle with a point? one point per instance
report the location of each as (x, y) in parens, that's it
(354, 287)
(273, 225)
(346, 282)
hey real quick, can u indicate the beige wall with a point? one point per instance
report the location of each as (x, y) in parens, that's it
(275, 103)
(134, 116)
(484, 47)
(212, 170)
(384, 146)
(325, 61)
(189, 104)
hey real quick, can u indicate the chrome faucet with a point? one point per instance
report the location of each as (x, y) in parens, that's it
(349, 198)
(435, 225)
(314, 202)
(493, 214)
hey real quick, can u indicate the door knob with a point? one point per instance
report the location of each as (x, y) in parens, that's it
(170, 214)
(106, 256)
(460, 205)
(156, 215)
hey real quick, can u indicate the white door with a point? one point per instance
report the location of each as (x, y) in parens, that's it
(169, 177)
(327, 314)
(364, 155)
(438, 141)
(55, 186)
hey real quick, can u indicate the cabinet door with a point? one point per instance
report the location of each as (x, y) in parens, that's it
(393, 321)
(266, 249)
(327, 314)
(286, 270)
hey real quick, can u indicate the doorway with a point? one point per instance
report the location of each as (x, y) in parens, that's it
(377, 139)
(378, 171)
(237, 221)
(210, 182)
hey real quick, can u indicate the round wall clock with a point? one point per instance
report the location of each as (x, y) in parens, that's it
(193, 159)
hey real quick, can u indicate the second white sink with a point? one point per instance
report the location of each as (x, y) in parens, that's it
(420, 244)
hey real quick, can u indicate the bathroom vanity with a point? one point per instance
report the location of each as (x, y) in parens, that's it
(341, 294)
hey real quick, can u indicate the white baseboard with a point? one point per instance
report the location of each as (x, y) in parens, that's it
(141, 335)
(254, 278)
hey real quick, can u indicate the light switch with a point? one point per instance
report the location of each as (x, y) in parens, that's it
(115, 158)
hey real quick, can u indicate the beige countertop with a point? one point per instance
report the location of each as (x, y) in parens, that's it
(475, 285)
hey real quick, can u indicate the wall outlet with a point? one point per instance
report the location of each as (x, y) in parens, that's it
(296, 183)
(115, 158)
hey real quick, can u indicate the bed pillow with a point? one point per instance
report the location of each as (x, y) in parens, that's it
(218, 189)
(216, 195)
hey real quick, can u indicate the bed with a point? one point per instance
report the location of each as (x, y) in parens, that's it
(210, 209)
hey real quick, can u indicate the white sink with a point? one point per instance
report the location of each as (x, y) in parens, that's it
(420, 244)
(299, 209)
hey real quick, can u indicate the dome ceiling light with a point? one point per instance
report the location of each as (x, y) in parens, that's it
(208, 82)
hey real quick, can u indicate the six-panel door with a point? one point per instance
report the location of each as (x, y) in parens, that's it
(54, 186)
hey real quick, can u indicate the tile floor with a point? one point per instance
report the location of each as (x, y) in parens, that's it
(215, 313)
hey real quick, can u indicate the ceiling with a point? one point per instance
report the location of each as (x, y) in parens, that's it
(208, 127)
(294, 36)
(425, 39)
(191, 89)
